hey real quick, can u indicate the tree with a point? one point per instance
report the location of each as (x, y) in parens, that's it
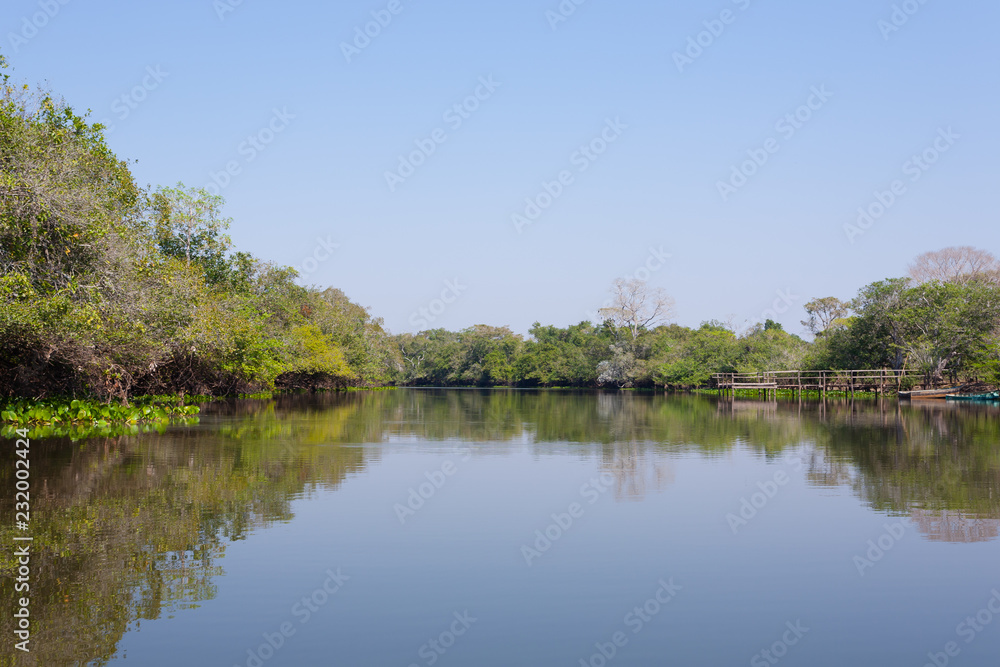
(766, 348)
(824, 313)
(621, 369)
(877, 335)
(690, 357)
(67, 249)
(487, 355)
(958, 264)
(946, 325)
(636, 306)
(563, 357)
(188, 224)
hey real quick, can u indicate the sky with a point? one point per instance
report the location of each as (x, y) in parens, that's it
(452, 163)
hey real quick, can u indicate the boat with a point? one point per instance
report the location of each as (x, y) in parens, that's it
(991, 396)
(930, 393)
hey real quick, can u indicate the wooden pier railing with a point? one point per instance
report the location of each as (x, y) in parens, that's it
(877, 380)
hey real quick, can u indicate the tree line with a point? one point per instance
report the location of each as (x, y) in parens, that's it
(942, 320)
(111, 290)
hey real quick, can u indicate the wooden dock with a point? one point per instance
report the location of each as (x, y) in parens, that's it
(872, 380)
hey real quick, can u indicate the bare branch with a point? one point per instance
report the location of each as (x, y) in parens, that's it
(635, 306)
(959, 264)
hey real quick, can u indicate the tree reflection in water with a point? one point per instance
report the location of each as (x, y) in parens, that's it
(133, 528)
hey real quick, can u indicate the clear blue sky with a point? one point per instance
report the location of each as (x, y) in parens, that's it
(222, 74)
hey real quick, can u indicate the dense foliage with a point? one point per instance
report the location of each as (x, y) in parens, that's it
(110, 291)
(947, 330)
(585, 355)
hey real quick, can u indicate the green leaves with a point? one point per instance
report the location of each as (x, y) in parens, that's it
(936, 327)
(90, 413)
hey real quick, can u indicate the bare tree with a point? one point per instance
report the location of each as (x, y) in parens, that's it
(635, 306)
(823, 313)
(958, 264)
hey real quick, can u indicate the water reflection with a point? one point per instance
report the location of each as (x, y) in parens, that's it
(135, 527)
(949, 526)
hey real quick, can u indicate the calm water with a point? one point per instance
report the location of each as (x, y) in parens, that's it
(425, 527)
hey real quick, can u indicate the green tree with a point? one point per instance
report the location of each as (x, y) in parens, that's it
(188, 224)
(824, 313)
(946, 325)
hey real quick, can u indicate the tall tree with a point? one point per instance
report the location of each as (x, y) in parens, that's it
(824, 313)
(958, 264)
(188, 224)
(877, 334)
(636, 306)
(946, 325)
